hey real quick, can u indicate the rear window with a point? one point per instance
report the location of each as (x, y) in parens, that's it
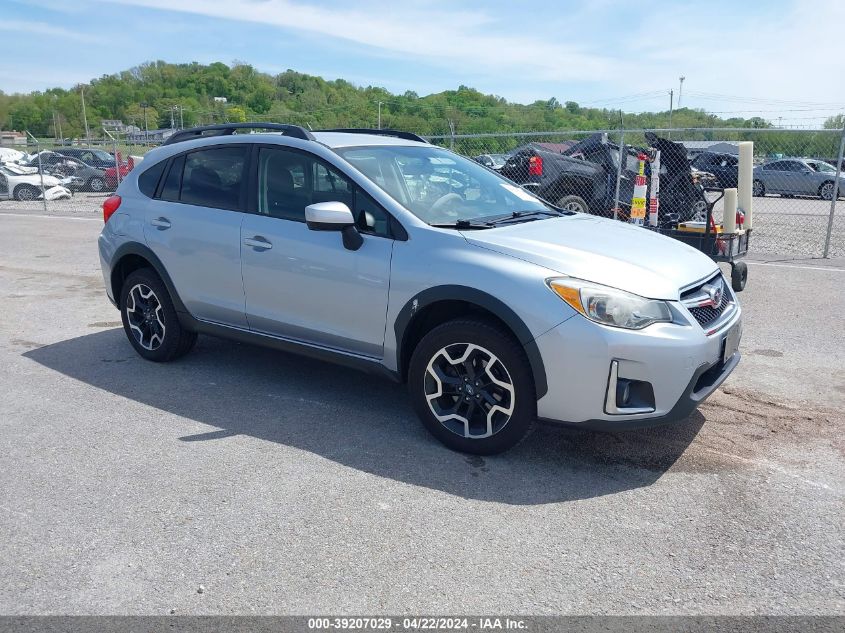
(148, 180)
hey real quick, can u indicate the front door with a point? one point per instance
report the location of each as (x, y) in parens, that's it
(302, 284)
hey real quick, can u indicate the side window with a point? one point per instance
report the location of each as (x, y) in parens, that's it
(148, 180)
(330, 185)
(283, 187)
(173, 182)
(773, 167)
(369, 215)
(794, 165)
(214, 177)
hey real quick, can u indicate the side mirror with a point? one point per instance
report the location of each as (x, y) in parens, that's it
(334, 216)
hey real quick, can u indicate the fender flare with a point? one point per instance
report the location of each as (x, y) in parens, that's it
(483, 300)
(141, 250)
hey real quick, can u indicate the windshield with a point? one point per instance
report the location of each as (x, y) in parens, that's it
(440, 187)
(100, 154)
(822, 167)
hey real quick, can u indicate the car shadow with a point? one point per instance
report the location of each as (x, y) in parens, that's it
(361, 421)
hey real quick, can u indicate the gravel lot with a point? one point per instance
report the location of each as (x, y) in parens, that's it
(283, 485)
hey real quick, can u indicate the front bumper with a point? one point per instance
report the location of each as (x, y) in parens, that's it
(679, 361)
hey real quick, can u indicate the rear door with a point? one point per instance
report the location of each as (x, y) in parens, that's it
(193, 225)
(302, 284)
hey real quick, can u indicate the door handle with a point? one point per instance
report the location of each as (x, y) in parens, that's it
(258, 242)
(160, 223)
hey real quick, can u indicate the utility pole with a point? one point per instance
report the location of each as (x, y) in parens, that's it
(452, 134)
(379, 114)
(84, 116)
(172, 122)
(146, 127)
(181, 117)
(680, 90)
(671, 100)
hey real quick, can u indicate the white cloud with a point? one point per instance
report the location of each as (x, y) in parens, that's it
(40, 28)
(460, 39)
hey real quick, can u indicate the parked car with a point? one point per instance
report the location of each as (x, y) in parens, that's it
(23, 183)
(493, 161)
(110, 175)
(98, 158)
(724, 167)
(85, 176)
(797, 177)
(495, 307)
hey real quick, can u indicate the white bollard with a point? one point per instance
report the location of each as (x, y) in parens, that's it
(746, 180)
(729, 216)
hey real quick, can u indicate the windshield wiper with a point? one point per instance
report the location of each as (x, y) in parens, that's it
(463, 224)
(524, 215)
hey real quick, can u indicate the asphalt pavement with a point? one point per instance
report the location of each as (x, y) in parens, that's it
(242, 480)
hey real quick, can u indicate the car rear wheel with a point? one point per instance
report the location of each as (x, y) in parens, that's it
(96, 184)
(25, 193)
(757, 189)
(573, 203)
(149, 318)
(472, 387)
(826, 190)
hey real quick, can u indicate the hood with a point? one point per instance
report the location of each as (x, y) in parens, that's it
(603, 251)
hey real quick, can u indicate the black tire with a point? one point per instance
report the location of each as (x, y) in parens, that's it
(573, 203)
(510, 367)
(758, 189)
(826, 190)
(96, 184)
(26, 193)
(739, 276)
(159, 337)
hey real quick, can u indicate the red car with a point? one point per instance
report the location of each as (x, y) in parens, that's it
(110, 173)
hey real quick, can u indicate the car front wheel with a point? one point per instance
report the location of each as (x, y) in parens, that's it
(149, 318)
(472, 387)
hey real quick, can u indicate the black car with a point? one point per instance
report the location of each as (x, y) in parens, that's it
(85, 176)
(583, 177)
(94, 157)
(725, 167)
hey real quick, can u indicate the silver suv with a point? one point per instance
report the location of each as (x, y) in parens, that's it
(378, 250)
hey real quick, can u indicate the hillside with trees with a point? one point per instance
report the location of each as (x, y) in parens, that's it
(195, 94)
(189, 90)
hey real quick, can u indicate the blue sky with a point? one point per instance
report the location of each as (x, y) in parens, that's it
(777, 58)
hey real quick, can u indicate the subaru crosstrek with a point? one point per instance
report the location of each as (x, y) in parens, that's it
(378, 250)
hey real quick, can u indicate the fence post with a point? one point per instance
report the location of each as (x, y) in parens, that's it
(835, 195)
(40, 170)
(619, 167)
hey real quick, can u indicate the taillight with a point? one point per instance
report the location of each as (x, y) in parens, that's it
(535, 166)
(110, 206)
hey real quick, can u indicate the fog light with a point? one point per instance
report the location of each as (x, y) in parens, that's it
(626, 396)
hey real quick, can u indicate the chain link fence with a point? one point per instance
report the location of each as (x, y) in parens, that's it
(795, 176)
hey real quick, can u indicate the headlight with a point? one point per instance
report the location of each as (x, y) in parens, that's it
(610, 306)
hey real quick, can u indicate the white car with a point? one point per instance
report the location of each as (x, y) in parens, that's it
(23, 183)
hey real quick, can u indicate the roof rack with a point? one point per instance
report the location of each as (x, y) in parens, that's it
(408, 136)
(226, 129)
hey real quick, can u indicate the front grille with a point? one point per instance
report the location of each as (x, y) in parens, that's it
(707, 315)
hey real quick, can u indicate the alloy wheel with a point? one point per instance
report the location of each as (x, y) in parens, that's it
(469, 390)
(26, 193)
(826, 191)
(145, 316)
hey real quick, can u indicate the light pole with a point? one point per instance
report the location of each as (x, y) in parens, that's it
(379, 114)
(671, 100)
